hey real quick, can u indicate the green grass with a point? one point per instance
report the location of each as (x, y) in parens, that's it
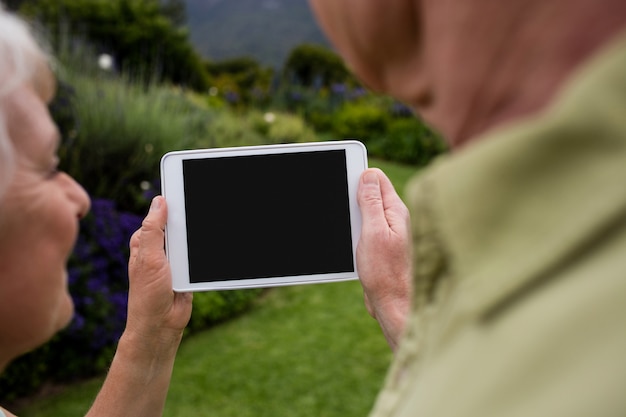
(300, 351)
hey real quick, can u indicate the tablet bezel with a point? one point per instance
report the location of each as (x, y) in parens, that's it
(172, 188)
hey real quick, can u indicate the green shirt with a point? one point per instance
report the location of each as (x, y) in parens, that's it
(520, 265)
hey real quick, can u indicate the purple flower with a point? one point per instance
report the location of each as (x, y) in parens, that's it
(401, 110)
(98, 281)
(78, 322)
(295, 96)
(231, 97)
(357, 93)
(338, 88)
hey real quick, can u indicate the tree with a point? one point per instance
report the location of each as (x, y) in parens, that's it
(314, 65)
(175, 11)
(243, 76)
(13, 4)
(143, 40)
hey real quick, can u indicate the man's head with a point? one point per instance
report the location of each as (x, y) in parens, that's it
(467, 66)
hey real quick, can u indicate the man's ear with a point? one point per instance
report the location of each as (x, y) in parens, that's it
(373, 37)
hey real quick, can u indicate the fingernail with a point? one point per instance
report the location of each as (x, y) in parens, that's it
(156, 204)
(370, 177)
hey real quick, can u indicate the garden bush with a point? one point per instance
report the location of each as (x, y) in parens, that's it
(314, 66)
(279, 127)
(120, 132)
(241, 80)
(407, 140)
(216, 306)
(361, 120)
(288, 128)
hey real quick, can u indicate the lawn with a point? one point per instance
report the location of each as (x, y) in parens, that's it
(299, 351)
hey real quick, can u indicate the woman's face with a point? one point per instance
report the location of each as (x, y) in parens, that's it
(39, 217)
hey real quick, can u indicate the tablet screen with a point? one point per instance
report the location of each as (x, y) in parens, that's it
(275, 215)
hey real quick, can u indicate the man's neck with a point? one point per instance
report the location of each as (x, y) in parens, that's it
(531, 79)
(484, 79)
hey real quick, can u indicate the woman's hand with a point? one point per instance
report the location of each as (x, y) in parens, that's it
(154, 309)
(384, 254)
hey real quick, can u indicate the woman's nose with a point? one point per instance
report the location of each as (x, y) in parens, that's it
(78, 196)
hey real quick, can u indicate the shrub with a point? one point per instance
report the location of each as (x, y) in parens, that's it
(314, 66)
(407, 140)
(24, 375)
(216, 306)
(288, 128)
(228, 129)
(361, 120)
(121, 131)
(281, 128)
(244, 77)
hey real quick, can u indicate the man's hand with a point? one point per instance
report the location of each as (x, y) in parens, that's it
(384, 254)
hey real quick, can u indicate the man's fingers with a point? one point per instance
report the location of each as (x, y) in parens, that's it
(381, 207)
(396, 212)
(370, 199)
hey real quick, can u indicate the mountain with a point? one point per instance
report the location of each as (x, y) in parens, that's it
(266, 30)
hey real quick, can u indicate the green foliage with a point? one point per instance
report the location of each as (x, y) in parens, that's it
(13, 4)
(24, 375)
(143, 40)
(175, 11)
(288, 129)
(407, 140)
(315, 66)
(362, 120)
(281, 127)
(215, 306)
(242, 81)
(247, 66)
(387, 128)
(122, 131)
(229, 129)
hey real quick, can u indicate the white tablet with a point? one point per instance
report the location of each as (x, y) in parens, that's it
(262, 216)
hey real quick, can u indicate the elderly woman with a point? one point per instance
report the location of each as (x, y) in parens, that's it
(39, 212)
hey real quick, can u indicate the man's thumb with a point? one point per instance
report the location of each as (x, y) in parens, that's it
(370, 198)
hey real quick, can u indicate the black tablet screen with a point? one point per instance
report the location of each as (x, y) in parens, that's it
(267, 216)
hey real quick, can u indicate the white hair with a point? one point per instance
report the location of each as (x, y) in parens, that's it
(20, 54)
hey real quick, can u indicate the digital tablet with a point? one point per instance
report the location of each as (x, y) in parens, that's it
(262, 216)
